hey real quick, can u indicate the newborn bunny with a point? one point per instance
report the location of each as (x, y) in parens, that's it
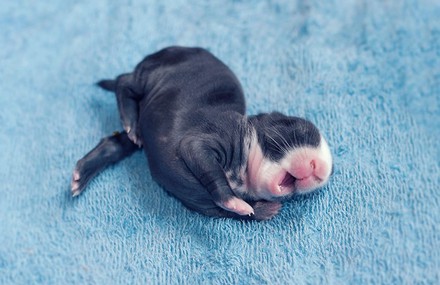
(187, 110)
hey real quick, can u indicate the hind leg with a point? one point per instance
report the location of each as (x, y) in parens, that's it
(128, 105)
(109, 150)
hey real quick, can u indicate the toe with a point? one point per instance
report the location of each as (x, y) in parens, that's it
(76, 176)
(238, 206)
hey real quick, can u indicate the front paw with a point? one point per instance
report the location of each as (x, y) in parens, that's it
(238, 206)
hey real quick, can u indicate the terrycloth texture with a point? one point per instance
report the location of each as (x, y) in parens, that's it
(366, 72)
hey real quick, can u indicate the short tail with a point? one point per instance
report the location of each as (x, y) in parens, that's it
(107, 84)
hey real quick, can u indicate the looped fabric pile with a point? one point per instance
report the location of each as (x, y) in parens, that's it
(367, 73)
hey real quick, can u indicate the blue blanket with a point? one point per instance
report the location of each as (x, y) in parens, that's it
(367, 73)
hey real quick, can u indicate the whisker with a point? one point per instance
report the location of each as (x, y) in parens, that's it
(277, 144)
(286, 143)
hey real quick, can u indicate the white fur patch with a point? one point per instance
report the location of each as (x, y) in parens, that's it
(262, 177)
(265, 176)
(260, 171)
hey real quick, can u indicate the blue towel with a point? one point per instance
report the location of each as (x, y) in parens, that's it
(367, 73)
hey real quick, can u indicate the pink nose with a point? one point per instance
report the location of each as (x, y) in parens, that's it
(312, 164)
(308, 167)
(303, 169)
